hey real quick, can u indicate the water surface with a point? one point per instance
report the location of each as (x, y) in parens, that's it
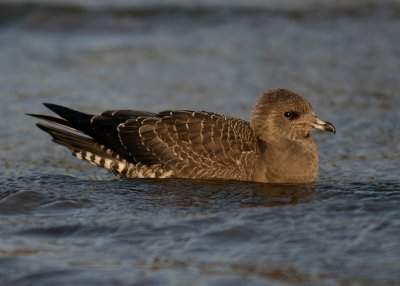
(66, 222)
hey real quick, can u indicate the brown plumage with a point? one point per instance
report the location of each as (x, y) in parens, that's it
(275, 146)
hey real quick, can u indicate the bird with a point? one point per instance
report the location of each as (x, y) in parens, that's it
(274, 146)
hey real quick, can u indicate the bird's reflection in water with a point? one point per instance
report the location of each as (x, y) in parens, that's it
(218, 193)
(278, 195)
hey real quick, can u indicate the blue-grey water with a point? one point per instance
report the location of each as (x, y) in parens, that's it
(65, 222)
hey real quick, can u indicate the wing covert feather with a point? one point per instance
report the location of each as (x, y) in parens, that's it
(191, 142)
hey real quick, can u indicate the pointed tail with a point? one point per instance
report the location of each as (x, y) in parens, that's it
(82, 147)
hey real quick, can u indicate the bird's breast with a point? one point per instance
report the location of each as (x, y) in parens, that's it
(287, 162)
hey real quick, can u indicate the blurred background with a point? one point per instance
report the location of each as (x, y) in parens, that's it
(215, 55)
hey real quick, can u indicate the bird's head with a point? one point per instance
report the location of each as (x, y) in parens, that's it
(284, 114)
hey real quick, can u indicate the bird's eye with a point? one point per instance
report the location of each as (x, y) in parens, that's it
(288, 114)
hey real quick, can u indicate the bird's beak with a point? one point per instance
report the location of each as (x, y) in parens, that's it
(323, 125)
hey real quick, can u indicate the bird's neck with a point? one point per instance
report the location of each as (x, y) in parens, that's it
(289, 161)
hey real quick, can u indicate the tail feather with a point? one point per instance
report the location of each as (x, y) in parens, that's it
(74, 141)
(95, 139)
(103, 129)
(87, 149)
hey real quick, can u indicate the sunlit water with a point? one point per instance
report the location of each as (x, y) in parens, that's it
(64, 222)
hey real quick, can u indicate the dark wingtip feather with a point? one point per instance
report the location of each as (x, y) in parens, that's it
(48, 103)
(69, 118)
(53, 119)
(31, 114)
(66, 112)
(56, 108)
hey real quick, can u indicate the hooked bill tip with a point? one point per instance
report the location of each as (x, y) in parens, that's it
(324, 126)
(329, 127)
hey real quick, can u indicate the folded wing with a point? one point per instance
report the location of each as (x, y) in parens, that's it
(179, 143)
(192, 144)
